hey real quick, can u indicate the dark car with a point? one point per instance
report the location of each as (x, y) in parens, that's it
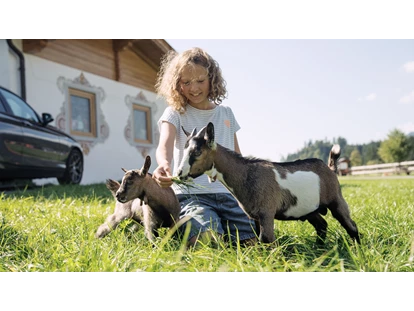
(31, 148)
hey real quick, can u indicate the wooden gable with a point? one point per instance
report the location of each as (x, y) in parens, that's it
(130, 61)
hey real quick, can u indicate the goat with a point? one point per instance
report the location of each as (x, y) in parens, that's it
(140, 197)
(299, 190)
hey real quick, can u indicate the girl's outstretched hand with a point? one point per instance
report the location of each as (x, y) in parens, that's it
(162, 175)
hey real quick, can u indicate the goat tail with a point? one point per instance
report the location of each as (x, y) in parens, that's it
(112, 186)
(333, 158)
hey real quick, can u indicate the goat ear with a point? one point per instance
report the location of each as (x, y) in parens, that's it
(146, 166)
(124, 170)
(187, 133)
(209, 135)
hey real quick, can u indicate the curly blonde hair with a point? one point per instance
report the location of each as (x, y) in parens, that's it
(169, 75)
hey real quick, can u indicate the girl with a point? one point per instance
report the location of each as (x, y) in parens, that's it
(192, 84)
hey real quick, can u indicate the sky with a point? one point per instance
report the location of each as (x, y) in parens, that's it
(286, 92)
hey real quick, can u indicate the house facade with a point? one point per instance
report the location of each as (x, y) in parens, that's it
(101, 92)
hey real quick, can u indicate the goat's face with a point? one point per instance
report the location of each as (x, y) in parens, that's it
(132, 185)
(198, 153)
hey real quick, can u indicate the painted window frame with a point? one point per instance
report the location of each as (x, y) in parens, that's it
(142, 103)
(91, 96)
(148, 118)
(64, 118)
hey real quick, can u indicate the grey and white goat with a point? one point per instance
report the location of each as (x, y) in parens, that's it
(299, 190)
(139, 197)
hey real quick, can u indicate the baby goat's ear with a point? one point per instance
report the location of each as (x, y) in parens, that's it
(209, 135)
(146, 166)
(188, 134)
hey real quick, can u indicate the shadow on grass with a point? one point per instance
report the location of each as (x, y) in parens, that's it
(310, 255)
(59, 191)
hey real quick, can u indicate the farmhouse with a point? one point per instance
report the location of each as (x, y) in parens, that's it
(344, 166)
(99, 91)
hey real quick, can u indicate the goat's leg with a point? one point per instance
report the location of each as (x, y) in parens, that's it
(257, 225)
(150, 231)
(320, 224)
(137, 212)
(266, 225)
(150, 223)
(122, 212)
(341, 212)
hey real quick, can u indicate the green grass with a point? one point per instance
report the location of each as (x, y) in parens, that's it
(52, 229)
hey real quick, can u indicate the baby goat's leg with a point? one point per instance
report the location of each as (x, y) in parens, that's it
(150, 223)
(122, 211)
(340, 211)
(267, 233)
(320, 225)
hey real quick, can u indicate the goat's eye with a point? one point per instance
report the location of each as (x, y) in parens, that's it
(197, 153)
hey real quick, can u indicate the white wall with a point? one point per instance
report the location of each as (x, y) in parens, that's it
(4, 64)
(14, 72)
(9, 66)
(104, 159)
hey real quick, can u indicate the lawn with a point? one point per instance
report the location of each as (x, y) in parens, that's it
(52, 229)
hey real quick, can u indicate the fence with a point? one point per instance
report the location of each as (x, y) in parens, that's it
(387, 168)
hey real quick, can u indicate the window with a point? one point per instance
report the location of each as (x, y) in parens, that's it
(142, 124)
(19, 107)
(81, 114)
(139, 130)
(82, 109)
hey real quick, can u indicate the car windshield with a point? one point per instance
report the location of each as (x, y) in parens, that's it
(19, 107)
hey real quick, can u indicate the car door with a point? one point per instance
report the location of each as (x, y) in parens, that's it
(41, 148)
(11, 143)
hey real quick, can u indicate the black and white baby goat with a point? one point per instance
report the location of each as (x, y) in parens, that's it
(299, 190)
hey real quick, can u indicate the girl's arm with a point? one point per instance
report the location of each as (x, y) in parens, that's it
(236, 144)
(164, 154)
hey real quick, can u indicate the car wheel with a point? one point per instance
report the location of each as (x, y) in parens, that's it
(74, 169)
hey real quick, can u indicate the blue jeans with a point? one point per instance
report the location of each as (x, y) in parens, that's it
(219, 212)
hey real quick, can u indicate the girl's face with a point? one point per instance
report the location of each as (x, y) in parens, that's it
(195, 85)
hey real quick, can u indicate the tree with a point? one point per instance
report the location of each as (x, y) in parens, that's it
(395, 148)
(370, 153)
(340, 141)
(355, 158)
(410, 156)
(317, 154)
(373, 162)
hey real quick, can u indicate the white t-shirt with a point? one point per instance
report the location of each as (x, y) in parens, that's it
(225, 126)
